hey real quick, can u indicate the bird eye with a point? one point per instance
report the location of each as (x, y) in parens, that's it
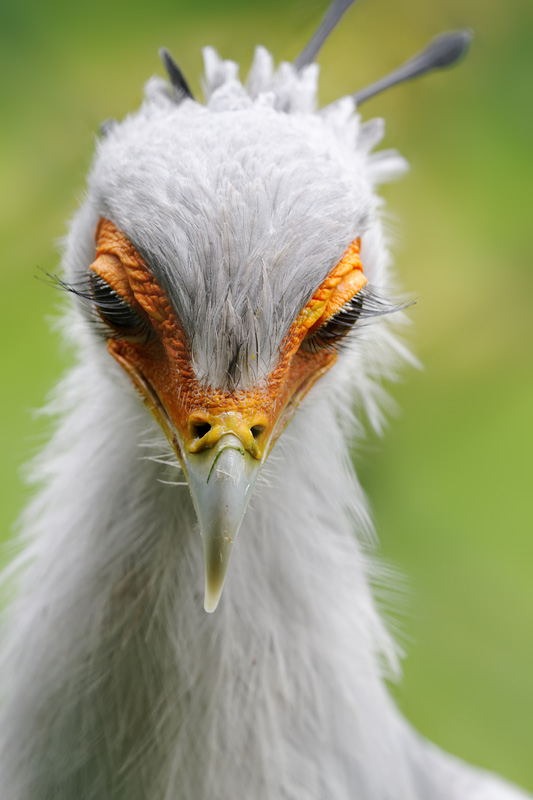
(336, 327)
(116, 312)
(367, 304)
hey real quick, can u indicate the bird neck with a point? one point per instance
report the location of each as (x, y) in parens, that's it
(280, 686)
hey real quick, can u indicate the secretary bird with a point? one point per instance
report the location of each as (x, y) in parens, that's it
(230, 285)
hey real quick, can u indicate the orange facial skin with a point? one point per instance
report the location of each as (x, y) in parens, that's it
(192, 415)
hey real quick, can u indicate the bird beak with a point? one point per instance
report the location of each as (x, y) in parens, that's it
(221, 482)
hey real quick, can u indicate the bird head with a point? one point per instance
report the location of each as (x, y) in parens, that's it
(229, 253)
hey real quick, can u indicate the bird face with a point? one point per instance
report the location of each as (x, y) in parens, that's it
(220, 436)
(226, 247)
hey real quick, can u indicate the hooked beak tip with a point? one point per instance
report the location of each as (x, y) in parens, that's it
(211, 600)
(217, 555)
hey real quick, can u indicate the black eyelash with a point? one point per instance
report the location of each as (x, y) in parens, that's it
(111, 309)
(366, 305)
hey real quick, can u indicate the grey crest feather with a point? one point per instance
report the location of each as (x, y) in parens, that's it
(442, 51)
(332, 17)
(175, 74)
(105, 127)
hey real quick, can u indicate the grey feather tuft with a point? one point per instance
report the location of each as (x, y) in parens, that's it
(332, 17)
(175, 74)
(105, 127)
(443, 51)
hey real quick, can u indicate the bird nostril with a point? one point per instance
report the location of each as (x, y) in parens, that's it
(257, 430)
(199, 429)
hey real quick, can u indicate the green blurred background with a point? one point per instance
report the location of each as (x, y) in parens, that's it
(450, 483)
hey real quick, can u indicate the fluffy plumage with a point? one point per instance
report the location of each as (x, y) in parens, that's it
(116, 684)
